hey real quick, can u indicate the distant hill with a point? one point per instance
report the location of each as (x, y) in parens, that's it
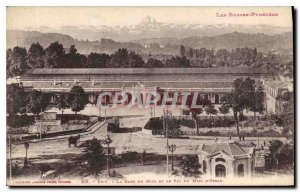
(151, 28)
(263, 42)
(26, 38)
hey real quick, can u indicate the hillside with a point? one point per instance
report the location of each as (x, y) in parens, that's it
(263, 42)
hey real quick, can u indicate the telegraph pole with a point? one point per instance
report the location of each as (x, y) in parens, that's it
(165, 124)
(105, 110)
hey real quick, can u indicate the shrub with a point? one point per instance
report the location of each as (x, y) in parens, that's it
(94, 156)
(189, 165)
(19, 121)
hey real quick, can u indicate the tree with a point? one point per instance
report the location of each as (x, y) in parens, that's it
(285, 105)
(134, 60)
(16, 63)
(240, 98)
(36, 56)
(222, 58)
(257, 105)
(195, 112)
(224, 109)
(182, 51)
(119, 58)
(9, 55)
(62, 103)
(15, 99)
(94, 155)
(78, 99)
(74, 59)
(178, 62)
(210, 110)
(190, 166)
(96, 60)
(247, 90)
(154, 63)
(191, 53)
(54, 55)
(286, 154)
(274, 147)
(37, 102)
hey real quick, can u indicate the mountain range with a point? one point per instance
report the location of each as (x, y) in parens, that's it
(151, 28)
(170, 46)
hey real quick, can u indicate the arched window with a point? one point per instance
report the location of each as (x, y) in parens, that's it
(241, 170)
(105, 100)
(220, 171)
(129, 97)
(204, 166)
(220, 159)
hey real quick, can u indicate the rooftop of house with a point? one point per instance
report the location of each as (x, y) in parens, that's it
(230, 147)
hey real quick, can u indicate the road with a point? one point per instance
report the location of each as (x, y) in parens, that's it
(136, 141)
(54, 147)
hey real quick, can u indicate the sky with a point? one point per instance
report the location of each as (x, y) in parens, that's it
(23, 17)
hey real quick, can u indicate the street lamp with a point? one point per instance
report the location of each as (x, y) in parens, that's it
(26, 146)
(172, 148)
(166, 116)
(107, 141)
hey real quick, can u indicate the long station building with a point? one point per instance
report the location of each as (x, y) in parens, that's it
(209, 83)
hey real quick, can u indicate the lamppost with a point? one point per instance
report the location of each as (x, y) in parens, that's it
(41, 127)
(172, 148)
(107, 141)
(26, 146)
(167, 115)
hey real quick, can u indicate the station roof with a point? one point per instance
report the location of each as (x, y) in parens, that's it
(131, 71)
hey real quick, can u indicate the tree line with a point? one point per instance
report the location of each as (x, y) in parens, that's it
(19, 59)
(273, 62)
(21, 102)
(245, 95)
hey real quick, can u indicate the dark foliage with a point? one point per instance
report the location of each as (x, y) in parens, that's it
(94, 156)
(19, 121)
(189, 165)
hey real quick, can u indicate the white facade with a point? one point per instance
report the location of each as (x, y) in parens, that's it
(273, 89)
(226, 159)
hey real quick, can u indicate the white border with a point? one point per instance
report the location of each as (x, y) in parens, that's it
(4, 3)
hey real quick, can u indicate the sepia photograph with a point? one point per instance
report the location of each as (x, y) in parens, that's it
(150, 96)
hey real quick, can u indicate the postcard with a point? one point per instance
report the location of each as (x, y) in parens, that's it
(150, 96)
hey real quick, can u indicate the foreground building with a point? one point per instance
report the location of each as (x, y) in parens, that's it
(209, 83)
(227, 159)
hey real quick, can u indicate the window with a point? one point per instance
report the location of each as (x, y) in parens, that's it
(217, 98)
(206, 97)
(241, 170)
(220, 171)
(220, 159)
(204, 166)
